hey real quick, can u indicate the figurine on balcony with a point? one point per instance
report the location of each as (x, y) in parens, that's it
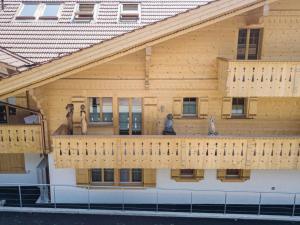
(83, 120)
(169, 130)
(70, 110)
(211, 127)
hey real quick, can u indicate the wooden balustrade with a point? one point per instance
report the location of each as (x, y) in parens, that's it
(194, 152)
(21, 139)
(259, 78)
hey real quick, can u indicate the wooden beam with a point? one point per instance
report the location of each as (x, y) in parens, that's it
(126, 44)
(148, 52)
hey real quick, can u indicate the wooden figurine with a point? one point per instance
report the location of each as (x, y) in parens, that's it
(69, 116)
(83, 120)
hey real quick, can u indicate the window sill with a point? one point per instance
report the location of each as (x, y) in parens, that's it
(187, 179)
(48, 18)
(25, 18)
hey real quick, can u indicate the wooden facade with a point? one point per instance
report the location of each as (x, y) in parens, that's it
(199, 63)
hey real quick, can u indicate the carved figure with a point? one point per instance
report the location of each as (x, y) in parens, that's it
(69, 116)
(211, 127)
(83, 120)
(169, 130)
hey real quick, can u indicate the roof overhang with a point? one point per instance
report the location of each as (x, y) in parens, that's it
(126, 44)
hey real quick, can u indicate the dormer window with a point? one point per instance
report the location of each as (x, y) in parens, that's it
(28, 12)
(129, 12)
(50, 12)
(85, 12)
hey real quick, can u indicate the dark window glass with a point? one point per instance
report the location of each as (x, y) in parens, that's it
(189, 106)
(242, 43)
(233, 173)
(96, 175)
(253, 44)
(136, 175)
(187, 173)
(3, 114)
(108, 175)
(94, 109)
(238, 107)
(124, 175)
(136, 116)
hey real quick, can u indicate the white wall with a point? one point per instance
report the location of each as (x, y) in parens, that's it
(207, 191)
(30, 175)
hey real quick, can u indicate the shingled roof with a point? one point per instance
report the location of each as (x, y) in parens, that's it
(41, 41)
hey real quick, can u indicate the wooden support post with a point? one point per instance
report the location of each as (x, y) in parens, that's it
(148, 53)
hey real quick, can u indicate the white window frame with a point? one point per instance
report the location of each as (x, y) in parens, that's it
(76, 9)
(39, 11)
(43, 8)
(120, 10)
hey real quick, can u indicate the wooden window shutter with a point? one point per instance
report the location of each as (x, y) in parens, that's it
(12, 163)
(199, 174)
(202, 107)
(221, 174)
(177, 107)
(252, 107)
(245, 174)
(82, 176)
(175, 173)
(226, 107)
(149, 176)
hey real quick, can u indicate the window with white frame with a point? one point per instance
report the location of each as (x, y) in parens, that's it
(129, 12)
(28, 11)
(84, 12)
(50, 12)
(42, 11)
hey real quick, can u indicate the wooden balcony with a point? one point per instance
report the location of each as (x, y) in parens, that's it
(194, 152)
(257, 78)
(21, 139)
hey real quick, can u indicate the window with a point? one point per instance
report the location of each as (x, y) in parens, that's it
(100, 110)
(3, 114)
(129, 12)
(50, 12)
(238, 107)
(249, 44)
(233, 175)
(131, 176)
(28, 12)
(189, 106)
(102, 175)
(187, 175)
(12, 111)
(85, 12)
(130, 116)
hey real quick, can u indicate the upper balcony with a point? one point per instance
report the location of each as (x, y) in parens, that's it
(259, 78)
(176, 151)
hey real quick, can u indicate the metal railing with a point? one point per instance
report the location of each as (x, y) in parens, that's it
(149, 199)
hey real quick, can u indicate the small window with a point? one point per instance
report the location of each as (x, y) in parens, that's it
(131, 176)
(249, 44)
(28, 12)
(129, 12)
(187, 173)
(100, 110)
(189, 106)
(85, 12)
(3, 114)
(50, 12)
(102, 175)
(238, 107)
(233, 173)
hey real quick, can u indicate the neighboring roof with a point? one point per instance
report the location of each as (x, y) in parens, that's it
(125, 44)
(41, 41)
(13, 60)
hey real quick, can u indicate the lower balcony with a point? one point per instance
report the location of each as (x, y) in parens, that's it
(193, 152)
(21, 139)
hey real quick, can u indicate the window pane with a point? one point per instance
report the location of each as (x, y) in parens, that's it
(189, 106)
(124, 175)
(136, 175)
(28, 10)
(3, 114)
(242, 42)
(253, 44)
(130, 7)
(108, 175)
(51, 10)
(96, 175)
(94, 109)
(107, 109)
(233, 173)
(136, 116)
(238, 106)
(187, 172)
(124, 115)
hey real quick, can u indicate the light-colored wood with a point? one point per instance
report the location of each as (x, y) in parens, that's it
(226, 107)
(177, 107)
(177, 152)
(150, 116)
(244, 175)
(252, 108)
(20, 139)
(202, 107)
(258, 78)
(12, 163)
(149, 177)
(82, 176)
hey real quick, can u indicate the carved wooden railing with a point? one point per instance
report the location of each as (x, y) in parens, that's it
(240, 78)
(195, 152)
(21, 139)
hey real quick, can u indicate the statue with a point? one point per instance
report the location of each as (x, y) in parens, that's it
(169, 130)
(83, 120)
(70, 110)
(211, 127)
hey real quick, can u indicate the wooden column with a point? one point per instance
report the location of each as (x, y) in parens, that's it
(148, 53)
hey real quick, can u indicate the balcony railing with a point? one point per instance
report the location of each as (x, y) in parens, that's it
(21, 139)
(259, 78)
(194, 152)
